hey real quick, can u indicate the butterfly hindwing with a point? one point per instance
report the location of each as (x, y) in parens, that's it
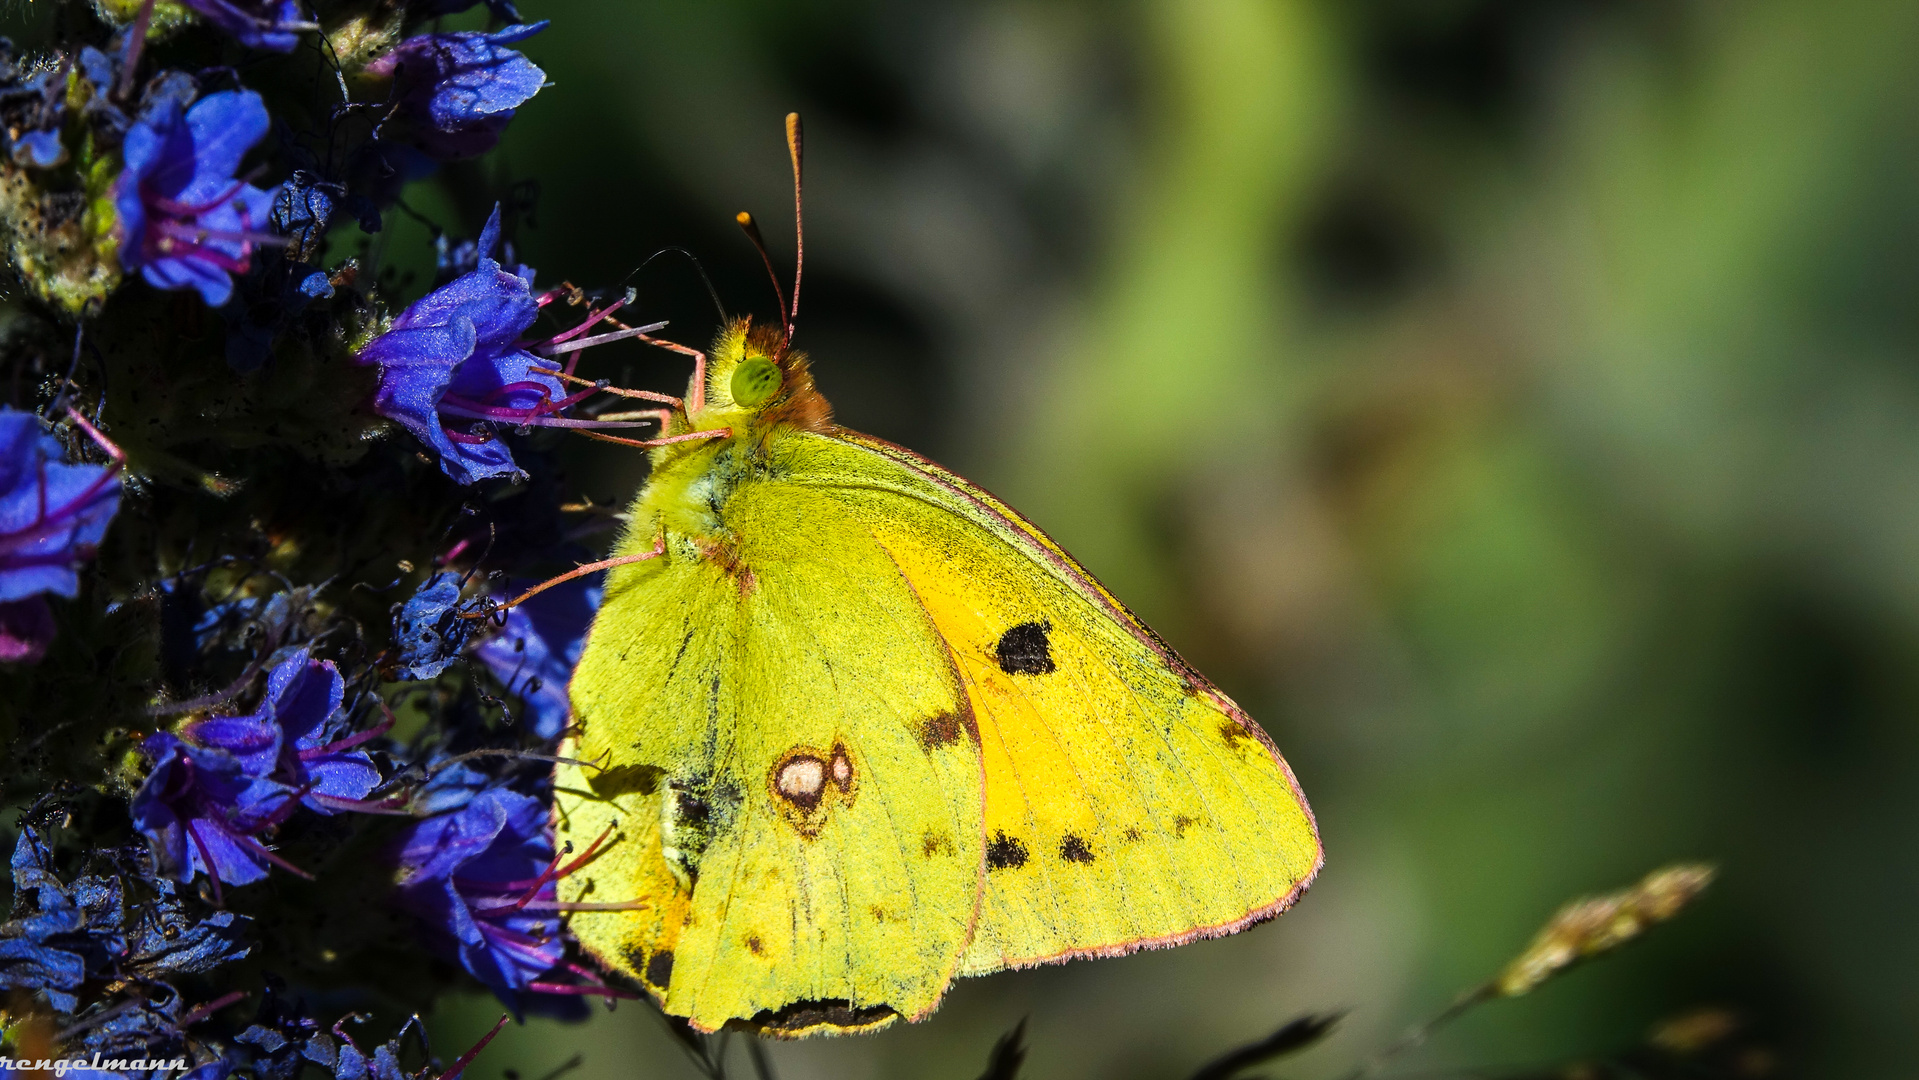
(809, 856)
(1128, 802)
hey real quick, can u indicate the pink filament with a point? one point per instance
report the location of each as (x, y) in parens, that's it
(587, 324)
(350, 741)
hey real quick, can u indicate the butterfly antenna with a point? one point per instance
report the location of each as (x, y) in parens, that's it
(698, 267)
(795, 147)
(752, 230)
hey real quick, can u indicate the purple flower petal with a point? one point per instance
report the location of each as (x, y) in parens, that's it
(289, 740)
(463, 339)
(52, 514)
(305, 694)
(535, 651)
(222, 127)
(429, 629)
(340, 776)
(461, 872)
(461, 88)
(253, 741)
(187, 223)
(39, 149)
(199, 810)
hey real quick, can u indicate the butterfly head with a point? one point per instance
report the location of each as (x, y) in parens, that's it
(754, 382)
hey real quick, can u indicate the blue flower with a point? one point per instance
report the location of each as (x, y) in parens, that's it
(275, 1046)
(265, 304)
(52, 516)
(478, 878)
(451, 366)
(145, 1025)
(191, 626)
(535, 651)
(39, 149)
(448, 787)
(186, 222)
(430, 629)
(348, 1062)
(177, 87)
(103, 72)
(459, 90)
(27, 962)
(273, 25)
(166, 940)
(295, 737)
(304, 210)
(37, 109)
(283, 1040)
(71, 932)
(65, 934)
(201, 811)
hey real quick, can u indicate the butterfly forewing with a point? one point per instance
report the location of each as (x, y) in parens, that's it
(1128, 803)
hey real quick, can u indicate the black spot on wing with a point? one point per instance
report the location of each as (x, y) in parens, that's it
(1074, 849)
(804, 1016)
(692, 810)
(1025, 650)
(659, 969)
(1005, 852)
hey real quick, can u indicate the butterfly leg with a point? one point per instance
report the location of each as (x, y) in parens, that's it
(693, 436)
(658, 549)
(601, 384)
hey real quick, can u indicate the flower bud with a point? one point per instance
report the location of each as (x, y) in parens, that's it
(363, 36)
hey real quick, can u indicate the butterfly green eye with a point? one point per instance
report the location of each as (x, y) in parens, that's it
(755, 380)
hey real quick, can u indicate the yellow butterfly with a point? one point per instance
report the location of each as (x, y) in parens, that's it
(857, 728)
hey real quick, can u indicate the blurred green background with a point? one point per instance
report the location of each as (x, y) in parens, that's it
(1513, 403)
